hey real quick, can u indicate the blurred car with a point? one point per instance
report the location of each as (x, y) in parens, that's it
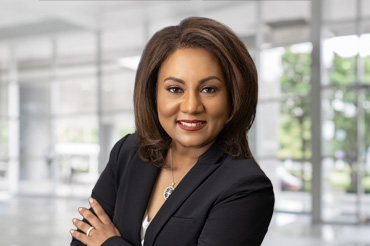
(289, 181)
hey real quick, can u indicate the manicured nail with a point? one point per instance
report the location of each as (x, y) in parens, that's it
(91, 200)
(80, 209)
(74, 220)
(71, 231)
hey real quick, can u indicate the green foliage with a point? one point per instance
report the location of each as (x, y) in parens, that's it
(340, 180)
(367, 69)
(295, 124)
(343, 71)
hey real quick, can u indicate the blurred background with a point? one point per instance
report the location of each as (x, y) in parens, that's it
(67, 71)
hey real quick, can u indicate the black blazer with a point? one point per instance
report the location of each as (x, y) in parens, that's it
(221, 200)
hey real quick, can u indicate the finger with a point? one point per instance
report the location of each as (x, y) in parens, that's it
(90, 217)
(99, 211)
(81, 225)
(79, 236)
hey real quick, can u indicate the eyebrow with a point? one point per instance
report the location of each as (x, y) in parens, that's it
(200, 81)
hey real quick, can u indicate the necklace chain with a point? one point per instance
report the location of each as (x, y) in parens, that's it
(173, 179)
(168, 191)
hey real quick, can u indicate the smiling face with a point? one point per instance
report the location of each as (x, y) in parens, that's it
(192, 98)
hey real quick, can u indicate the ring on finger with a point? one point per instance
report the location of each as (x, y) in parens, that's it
(89, 230)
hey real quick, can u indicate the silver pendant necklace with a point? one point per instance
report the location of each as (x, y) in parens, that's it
(168, 191)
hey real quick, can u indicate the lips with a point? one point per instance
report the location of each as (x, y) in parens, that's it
(191, 125)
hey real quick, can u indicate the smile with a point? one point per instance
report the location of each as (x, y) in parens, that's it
(193, 125)
(190, 124)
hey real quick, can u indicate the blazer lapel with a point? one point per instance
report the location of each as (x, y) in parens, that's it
(140, 180)
(205, 166)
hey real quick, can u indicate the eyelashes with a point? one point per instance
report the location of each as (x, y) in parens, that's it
(174, 89)
(206, 89)
(209, 89)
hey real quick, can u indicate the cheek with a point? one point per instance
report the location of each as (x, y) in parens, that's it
(166, 110)
(165, 107)
(219, 109)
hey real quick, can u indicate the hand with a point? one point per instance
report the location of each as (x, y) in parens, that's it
(103, 226)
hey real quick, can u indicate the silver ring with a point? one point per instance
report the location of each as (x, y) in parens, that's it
(88, 231)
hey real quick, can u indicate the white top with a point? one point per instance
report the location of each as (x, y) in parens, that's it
(144, 226)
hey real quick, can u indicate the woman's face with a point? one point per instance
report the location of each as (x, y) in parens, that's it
(192, 98)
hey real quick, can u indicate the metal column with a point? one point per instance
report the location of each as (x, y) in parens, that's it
(99, 84)
(13, 117)
(360, 214)
(316, 160)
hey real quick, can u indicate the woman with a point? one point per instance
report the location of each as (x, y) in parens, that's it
(187, 176)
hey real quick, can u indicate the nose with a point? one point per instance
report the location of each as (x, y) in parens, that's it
(192, 103)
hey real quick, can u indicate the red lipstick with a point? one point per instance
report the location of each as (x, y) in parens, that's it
(191, 125)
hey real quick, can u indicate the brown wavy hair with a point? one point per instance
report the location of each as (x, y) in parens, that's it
(240, 75)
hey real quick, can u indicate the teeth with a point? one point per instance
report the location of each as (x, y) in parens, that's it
(191, 124)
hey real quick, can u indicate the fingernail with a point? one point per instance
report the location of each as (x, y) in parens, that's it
(71, 231)
(91, 200)
(80, 209)
(74, 220)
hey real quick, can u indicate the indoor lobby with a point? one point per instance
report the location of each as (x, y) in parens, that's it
(67, 74)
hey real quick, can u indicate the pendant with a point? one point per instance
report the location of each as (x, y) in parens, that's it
(168, 191)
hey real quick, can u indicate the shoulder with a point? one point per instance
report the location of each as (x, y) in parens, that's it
(124, 150)
(241, 167)
(126, 143)
(242, 175)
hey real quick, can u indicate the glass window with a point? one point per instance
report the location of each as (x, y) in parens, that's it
(76, 154)
(118, 90)
(118, 125)
(270, 73)
(34, 141)
(364, 50)
(113, 128)
(340, 60)
(366, 178)
(3, 139)
(4, 64)
(340, 149)
(346, 72)
(34, 99)
(77, 129)
(3, 100)
(77, 95)
(285, 103)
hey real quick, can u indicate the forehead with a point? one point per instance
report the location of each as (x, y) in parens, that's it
(185, 61)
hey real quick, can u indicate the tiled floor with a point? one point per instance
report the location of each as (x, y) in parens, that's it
(38, 221)
(31, 221)
(292, 229)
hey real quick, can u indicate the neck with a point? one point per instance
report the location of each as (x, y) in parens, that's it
(185, 157)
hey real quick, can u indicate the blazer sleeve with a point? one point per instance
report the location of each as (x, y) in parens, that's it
(241, 214)
(105, 191)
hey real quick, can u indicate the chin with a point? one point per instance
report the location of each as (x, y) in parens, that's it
(192, 142)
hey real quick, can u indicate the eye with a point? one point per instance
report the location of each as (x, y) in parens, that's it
(209, 89)
(174, 89)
